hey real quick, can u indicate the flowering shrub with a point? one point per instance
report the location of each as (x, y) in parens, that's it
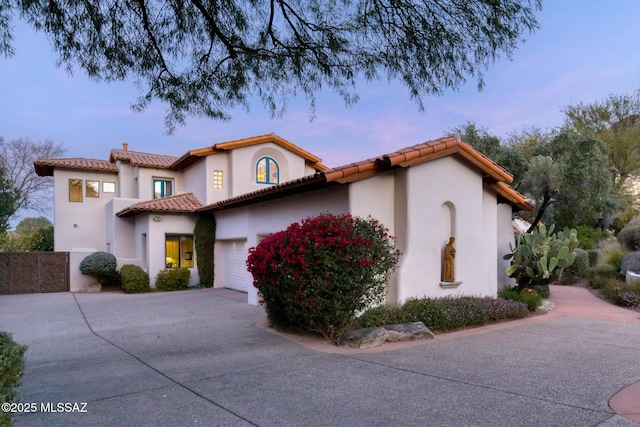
(315, 275)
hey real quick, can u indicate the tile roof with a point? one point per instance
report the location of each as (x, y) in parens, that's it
(181, 203)
(44, 167)
(406, 157)
(192, 156)
(146, 160)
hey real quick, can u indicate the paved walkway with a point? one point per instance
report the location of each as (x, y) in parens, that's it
(197, 358)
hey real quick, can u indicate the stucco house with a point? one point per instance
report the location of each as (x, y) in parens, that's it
(143, 207)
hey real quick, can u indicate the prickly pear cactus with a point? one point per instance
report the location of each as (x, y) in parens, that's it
(540, 257)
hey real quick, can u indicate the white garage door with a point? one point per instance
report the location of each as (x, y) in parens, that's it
(236, 275)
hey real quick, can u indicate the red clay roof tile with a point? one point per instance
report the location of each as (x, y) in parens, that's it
(147, 160)
(44, 167)
(180, 203)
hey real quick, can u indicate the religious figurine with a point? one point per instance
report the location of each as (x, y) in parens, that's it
(449, 255)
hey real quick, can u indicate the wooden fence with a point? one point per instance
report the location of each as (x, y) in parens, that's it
(33, 272)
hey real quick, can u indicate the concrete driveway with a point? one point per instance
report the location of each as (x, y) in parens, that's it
(197, 358)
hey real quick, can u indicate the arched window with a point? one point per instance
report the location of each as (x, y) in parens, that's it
(267, 171)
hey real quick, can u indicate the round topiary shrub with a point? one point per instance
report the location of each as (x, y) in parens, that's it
(134, 279)
(630, 262)
(174, 279)
(630, 237)
(316, 275)
(102, 266)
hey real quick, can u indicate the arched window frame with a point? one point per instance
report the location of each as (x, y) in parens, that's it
(270, 164)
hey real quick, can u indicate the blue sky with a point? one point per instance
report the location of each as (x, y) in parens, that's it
(584, 51)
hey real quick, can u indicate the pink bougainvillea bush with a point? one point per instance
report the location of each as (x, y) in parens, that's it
(316, 275)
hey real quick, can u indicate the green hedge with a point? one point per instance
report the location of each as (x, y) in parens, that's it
(134, 279)
(205, 239)
(102, 266)
(11, 369)
(175, 279)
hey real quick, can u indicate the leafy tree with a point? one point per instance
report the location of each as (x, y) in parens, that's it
(9, 201)
(205, 57)
(574, 176)
(616, 121)
(31, 234)
(479, 138)
(16, 158)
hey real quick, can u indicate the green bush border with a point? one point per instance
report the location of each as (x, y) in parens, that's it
(11, 370)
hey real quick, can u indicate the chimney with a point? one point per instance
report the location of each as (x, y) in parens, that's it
(125, 146)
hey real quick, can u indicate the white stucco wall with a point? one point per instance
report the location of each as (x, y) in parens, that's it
(450, 183)
(196, 180)
(254, 222)
(219, 162)
(127, 183)
(145, 177)
(80, 224)
(488, 284)
(156, 232)
(243, 166)
(505, 240)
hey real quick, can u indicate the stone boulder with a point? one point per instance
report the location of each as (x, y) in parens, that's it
(408, 332)
(364, 338)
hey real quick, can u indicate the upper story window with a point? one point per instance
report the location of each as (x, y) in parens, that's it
(92, 188)
(217, 180)
(108, 187)
(75, 190)
(267, 171)
(162, 188)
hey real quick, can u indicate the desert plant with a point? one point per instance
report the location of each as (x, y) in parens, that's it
(629, 237)
(205, 239)
(579, 269)
(102, 266)
(316, 275)
(11, 369)
(540, 257)
(593, 255)
(134, 279)
(527, 296)
(588, 237)
(173, 279)
(600, 273)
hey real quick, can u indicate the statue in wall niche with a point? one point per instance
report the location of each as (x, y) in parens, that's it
(449, 255)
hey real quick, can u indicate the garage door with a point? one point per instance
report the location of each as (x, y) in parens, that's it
(236, 275)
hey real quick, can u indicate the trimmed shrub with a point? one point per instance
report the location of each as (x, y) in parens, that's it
(316, 275)
(629, 237)
(11, 369)
(134, 279)
(630, 262)
(579, 269)
(442, 314)
(205, 239)
(102, 266)
(173, 279)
